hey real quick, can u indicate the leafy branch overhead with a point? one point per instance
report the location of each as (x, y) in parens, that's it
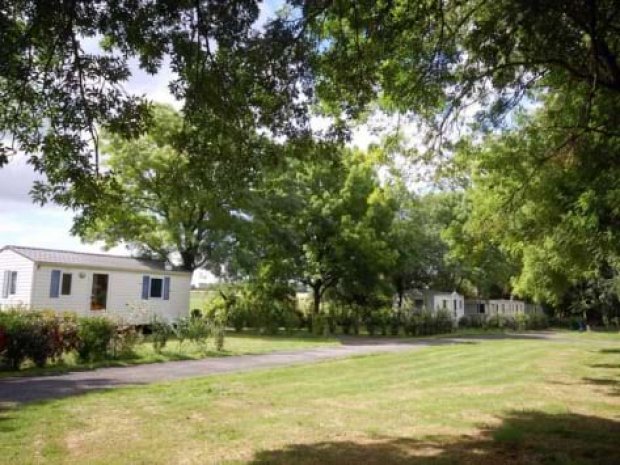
(65, 64)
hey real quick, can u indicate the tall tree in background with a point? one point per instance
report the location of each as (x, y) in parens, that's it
(412, 243)
(544, 182)
(173, 199)
(325, 219)
(550, 201)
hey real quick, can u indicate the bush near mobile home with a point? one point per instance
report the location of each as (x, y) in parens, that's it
(40, 337)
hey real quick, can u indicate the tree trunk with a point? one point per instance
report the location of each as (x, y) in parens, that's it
(316, 303)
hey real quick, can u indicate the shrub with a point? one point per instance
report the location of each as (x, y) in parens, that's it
(161, 332)
(216, 329)
(69, 332)
(520, 321)
(537, 321)
(426, 323)
(237, 314)
(216, 317)
(319, 325)
(377, 321)
(410, 324)
(42, 341)
(37, 336)
(476, 320)
(493, 322)
(17, 334)
(124, 340)
(344, 317)
(194, 329)
(3, 340)
(395, 323)
(268, 307)
(95, 338)
(443, 322)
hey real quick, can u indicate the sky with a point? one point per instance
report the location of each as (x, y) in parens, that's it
(24, 223)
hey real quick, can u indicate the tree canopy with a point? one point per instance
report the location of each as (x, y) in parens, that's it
(171, 198)
(520, 98)
(324, 220)
(64, 65)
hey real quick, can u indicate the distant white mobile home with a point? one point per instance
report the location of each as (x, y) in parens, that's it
(432, 300)
(499, 307)
(91, 284)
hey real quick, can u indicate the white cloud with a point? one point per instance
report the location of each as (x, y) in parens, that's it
(48, 227)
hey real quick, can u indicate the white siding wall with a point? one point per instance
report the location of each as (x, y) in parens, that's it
(124, 294)
(436, 302)
(507, 307)
(12, 261)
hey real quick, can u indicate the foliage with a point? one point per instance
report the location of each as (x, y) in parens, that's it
(66, 66)
(427, 323)
(168, 199)
(216, 314)
(238, 314)
(95, 338)
(416, 243)
(36, 336)
(342, 315)
(194, 329)
(520, 321)
(537, 85)
(161, 332)
(377, 321)
(434, 60)
(124, 340)
(549, 200)
(270, 305)
(325, 225)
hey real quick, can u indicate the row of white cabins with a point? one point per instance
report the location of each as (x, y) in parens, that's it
(96, 284)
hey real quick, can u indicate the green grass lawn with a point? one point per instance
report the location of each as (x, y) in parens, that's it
(492, 402)
(235, 344)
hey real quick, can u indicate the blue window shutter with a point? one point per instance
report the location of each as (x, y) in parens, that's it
(146, 281)
(55, 284)
(167, 288)
(5, 284)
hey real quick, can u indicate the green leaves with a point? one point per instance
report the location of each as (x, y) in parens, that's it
(323, 220)
(64, 67)
(172, 199)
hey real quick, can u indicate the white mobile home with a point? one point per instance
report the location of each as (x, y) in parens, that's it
(500, 307)
(436, 300)
(506, 306)
(91, 284)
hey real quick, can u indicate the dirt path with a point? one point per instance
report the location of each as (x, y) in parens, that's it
(28, 389)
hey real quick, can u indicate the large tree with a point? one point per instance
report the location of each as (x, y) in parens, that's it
(549, 200)
(540, 83)
(177, 200)
(413, 242)
(64, 65)
(324, 220)
(436, 58)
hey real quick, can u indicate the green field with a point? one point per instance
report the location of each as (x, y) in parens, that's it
(513, 401)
